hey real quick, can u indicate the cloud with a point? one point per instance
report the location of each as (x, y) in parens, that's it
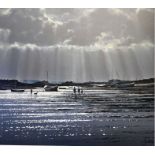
(51, 26)
(76, 44)
(4, 35)
(146, 20)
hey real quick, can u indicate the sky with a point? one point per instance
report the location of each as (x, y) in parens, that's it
(76, 44)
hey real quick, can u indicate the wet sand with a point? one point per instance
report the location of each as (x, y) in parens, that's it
(97, 117)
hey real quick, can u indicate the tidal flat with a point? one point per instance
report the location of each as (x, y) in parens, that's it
(109, 117)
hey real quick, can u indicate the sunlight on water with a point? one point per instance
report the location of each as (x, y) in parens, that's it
(54, 117)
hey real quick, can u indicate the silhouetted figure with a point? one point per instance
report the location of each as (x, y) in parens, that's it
(74, 90)
(79, 90)
(31, 91)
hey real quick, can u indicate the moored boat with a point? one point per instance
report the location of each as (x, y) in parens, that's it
(50, 88)
(63, 87)
(17, 90)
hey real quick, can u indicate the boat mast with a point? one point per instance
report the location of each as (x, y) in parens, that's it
(47, 69)
(47, 76)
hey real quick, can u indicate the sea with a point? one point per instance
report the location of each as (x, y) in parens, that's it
(95, 118)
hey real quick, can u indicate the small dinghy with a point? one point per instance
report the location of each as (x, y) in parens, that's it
(50, 88)
(17, 90)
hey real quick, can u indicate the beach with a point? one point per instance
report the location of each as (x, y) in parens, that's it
(96, 117)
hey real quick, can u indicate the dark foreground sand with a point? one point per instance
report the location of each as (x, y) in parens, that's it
(98, 117)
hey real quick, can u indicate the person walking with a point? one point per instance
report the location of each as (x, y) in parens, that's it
(74, 90)
(81, 91)
(78, 90)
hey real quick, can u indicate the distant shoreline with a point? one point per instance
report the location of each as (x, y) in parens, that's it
(9, 84)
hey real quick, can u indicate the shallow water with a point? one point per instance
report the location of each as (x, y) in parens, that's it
(97, 117)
